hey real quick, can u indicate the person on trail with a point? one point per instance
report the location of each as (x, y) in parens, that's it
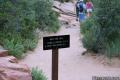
(89, 7)
(77, 10)
(80, 7)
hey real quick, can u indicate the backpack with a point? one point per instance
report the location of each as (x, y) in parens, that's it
(81, 8)
(77, 5)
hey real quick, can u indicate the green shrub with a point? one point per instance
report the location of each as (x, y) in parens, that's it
(38, 74)
(91, 34)
(113, 49)
(45, 16)
(19, 20)
(15, 48)
(16, 44)
(30, 44)
(104, 34)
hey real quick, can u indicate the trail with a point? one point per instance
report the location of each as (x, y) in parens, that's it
(72, 65)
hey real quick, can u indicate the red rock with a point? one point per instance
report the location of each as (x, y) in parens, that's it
(3, 53)
(13, 70)
(12, 59)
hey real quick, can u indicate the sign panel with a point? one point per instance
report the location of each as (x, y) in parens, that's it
(56, 42)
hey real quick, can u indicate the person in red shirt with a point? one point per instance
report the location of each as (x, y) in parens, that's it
(89, 7)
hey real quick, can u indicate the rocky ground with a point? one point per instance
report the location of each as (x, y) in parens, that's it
(11, 69)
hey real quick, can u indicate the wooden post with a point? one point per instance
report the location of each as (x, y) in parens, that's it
(55, 43)
(55, 55)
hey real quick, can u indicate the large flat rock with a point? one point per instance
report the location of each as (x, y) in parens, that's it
(65, 7)
(10, 69)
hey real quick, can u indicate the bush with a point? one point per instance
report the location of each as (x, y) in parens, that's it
(19, 20)
(15, 48)
(91, 34)
(30, 44)
(38, 74)
(106, 18)
(45, 16)
(113, 49)
(18, 45)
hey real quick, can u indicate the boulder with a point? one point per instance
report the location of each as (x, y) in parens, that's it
(11, 59)
(3, 53)
(10, 69)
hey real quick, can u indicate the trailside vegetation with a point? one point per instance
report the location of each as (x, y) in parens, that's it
(38, 74)
(19, 20)
(101, 32)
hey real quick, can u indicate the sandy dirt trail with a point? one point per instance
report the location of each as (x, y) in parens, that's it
(72, 65)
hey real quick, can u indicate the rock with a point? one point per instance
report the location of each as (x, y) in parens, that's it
(56, 3)
(64, 8)
(3, 53)
(10, 69)
(12, 59)
(68, 7)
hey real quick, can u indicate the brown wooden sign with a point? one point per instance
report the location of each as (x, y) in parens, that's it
(54, 43)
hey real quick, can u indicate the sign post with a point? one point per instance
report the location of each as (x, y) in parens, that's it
(54, 43)
(55, 57)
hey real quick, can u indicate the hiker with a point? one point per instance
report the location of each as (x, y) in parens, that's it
(77, 10)
(89, 7)
(80, 7)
